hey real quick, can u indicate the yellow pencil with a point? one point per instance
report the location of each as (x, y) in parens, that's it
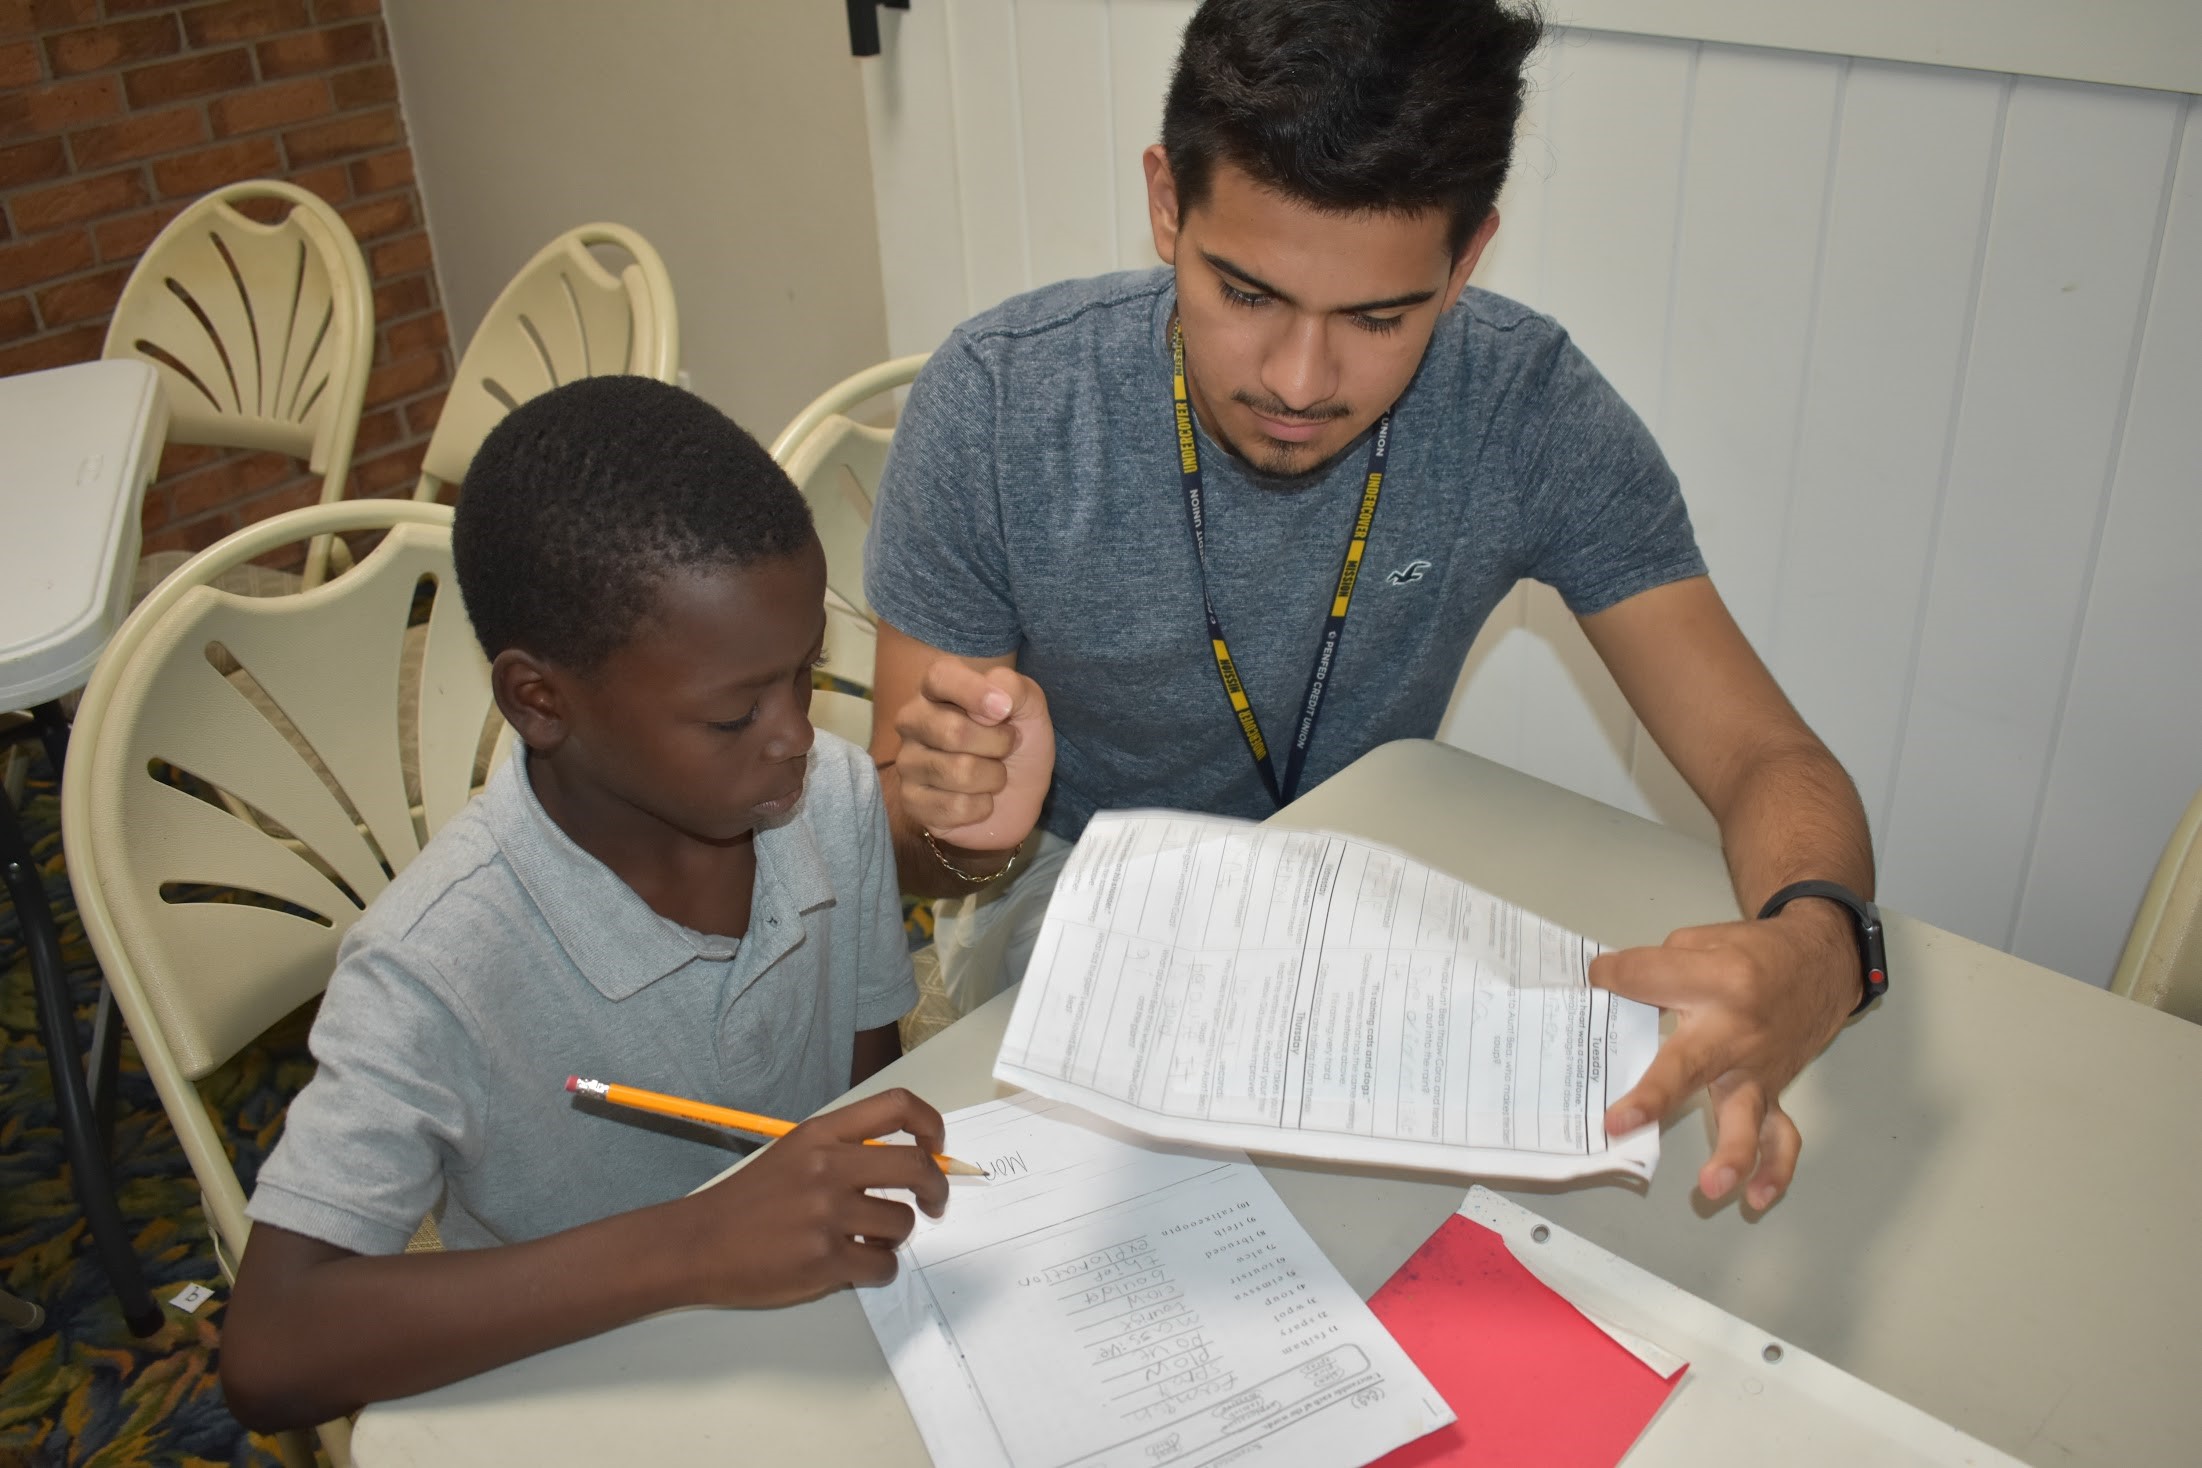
(726, 1116)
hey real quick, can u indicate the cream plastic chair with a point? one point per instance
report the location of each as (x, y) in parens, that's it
(2162, 963)
(197, 977)
(564, 317)
(262, 333)
(836, 462)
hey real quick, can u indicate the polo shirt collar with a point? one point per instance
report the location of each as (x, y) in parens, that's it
(620, 945)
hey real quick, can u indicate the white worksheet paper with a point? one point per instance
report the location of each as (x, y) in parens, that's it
(1223, 983)
(1101, 1302)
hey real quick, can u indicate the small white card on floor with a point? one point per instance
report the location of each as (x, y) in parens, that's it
(191, 1297)
(1103, 1302)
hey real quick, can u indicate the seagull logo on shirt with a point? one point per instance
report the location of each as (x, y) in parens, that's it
(1410, 572)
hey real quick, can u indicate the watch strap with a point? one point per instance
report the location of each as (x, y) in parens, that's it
(1865, 927)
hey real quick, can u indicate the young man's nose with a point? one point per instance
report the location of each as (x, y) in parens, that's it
(1299, 371)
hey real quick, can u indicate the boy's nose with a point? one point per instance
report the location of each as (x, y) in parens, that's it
(791, 734)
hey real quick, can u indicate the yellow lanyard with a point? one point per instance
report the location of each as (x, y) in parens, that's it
(1341, 602)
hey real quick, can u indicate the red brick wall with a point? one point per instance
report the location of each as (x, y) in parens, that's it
(114, 114)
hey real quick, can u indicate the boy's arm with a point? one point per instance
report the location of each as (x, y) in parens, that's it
(314, 1331)
(875, 1051)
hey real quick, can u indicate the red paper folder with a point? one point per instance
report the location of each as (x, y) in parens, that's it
(1532, 1381)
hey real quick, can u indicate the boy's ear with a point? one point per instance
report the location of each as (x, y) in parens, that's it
(530, 696)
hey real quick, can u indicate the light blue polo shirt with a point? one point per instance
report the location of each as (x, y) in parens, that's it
(505, 958)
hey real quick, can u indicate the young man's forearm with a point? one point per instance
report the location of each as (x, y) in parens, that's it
(308, 1344)
(1791, 815)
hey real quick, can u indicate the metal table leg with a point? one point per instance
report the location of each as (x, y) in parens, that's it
(53, 732)
(73, 1097)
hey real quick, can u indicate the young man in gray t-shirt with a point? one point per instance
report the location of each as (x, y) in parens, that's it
(1202, 536)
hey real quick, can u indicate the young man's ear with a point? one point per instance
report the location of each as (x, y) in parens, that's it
(1470, 253)
(530, 696)
(1162, 212)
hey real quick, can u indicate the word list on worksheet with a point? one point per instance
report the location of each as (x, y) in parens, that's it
(1102, 1304)
(1220, 982)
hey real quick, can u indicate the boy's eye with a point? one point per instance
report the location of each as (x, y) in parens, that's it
(1378, 324)
(1238, 297)
(734, 726)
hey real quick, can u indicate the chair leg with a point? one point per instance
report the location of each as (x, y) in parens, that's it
(336, 1442)
(100, 1068)
(296, 1450)
(53, 732)
(19, 1314)
(79, 1128)
(15, 763)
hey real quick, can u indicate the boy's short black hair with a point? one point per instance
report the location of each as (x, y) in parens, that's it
(1395, 106)
(584, 499)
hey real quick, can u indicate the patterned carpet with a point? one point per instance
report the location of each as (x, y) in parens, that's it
(81, 1389)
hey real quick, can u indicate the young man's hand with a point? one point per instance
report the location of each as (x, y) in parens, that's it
(1755, 1001)
(977, 753)
(798, 1221)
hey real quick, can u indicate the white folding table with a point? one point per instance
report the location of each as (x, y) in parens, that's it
(77, 445)
(1993, 1219)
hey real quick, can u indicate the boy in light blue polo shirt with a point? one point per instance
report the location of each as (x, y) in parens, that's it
(674, 884)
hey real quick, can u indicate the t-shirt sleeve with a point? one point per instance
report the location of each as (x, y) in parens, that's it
(886, 989)
(394, 1104)
(1603, 513)
(935, 564)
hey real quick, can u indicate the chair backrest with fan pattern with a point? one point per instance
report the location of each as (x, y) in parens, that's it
(262, 332)
(225, 829)
(836, 462)
(564, 317)
(2162, 963)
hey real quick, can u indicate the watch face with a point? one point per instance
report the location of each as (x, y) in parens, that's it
(1875, 954)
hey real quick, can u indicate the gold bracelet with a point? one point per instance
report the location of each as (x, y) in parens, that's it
(958, 872)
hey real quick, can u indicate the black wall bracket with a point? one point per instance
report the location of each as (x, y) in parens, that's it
(864, 24)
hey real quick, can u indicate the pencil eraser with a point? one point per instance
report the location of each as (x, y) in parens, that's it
(573, 1083)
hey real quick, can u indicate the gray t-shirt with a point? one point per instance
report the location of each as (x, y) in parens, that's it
(1031, 505)
(505, 958)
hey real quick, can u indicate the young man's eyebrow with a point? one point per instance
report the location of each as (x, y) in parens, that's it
(1389, 303)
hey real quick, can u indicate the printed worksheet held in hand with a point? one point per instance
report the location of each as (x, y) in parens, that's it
(1103, 1302)
(1214, 981)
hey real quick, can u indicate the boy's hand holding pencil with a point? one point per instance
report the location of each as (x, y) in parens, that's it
(726, 1116)
(800, 1221)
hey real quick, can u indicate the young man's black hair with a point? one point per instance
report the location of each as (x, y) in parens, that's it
(1353, 105)
(583, 499)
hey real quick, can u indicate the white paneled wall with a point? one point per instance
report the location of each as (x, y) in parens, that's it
(1925, 346)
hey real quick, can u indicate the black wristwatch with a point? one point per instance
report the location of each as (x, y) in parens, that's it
(1865, 921)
